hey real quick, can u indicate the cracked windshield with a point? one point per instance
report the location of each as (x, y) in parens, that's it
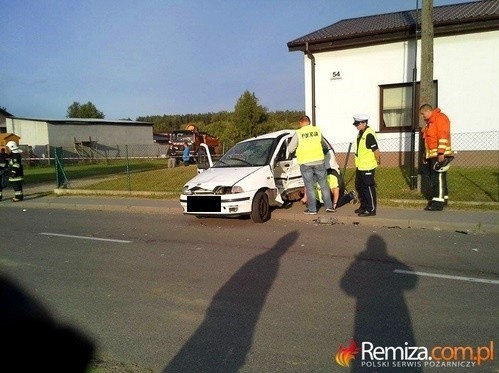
(247, 154)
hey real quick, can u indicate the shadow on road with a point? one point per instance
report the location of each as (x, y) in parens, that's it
(32, 340)
(381, 314)
(222, 341)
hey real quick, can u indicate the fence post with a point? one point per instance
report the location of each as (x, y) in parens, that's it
(128, 169)
(48, 154)
(60, 175)
(346, 160)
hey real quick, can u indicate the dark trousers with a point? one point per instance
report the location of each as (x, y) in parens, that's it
(18, 189)
(366, 189)
(438, 182)
(3, 182)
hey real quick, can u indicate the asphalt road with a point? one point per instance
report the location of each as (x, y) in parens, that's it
(176, 293)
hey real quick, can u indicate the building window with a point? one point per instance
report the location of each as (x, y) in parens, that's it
(396, 112)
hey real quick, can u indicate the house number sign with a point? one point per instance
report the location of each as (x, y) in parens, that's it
(335, 75)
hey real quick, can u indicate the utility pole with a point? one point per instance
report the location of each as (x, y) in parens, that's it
(426, 94)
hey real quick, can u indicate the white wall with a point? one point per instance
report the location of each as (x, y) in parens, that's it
(467, 69)
(465, 66)
(31, 132)
(38, 134)
(104, 134)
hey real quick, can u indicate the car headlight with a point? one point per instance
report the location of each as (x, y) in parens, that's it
(237, 189)
(186, 191)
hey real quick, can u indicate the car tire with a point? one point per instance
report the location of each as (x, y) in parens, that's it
(260, 207)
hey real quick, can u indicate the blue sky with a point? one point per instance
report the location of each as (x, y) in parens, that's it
(153, 57)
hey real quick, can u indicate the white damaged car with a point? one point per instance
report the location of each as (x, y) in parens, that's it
(253, 176)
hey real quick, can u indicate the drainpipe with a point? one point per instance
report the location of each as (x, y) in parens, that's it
(413, 182)
(312, 71)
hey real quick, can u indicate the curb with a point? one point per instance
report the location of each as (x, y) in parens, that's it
(282, 215)
(405, 203)
(99, 207)
(403, 223)
(115, 193)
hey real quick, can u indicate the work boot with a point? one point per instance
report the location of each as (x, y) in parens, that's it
(367, 213)
(435, 206)
(308, 212)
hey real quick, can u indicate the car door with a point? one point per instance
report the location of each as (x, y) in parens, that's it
(204, 159)
(287, 173)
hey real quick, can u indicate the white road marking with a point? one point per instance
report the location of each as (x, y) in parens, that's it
(459, 278)
(84, 237)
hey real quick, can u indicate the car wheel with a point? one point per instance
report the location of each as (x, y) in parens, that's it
(260, 208)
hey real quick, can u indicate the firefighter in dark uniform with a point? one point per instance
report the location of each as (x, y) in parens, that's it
(16, 173)
(367, 158)
(4, 170)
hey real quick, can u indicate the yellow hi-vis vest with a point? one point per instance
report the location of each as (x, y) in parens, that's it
(309, 145)
(364, 157)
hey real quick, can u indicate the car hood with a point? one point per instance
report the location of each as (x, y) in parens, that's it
(221, 176)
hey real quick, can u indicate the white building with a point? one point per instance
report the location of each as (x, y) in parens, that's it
(365, 65)
(98, 134)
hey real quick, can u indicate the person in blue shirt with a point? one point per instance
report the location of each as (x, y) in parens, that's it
(186, 154)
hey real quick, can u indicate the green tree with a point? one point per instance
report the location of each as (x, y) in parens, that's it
(223, 125)
(88, 110)
(249, 116)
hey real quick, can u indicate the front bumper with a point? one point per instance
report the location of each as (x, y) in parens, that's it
(211, 204)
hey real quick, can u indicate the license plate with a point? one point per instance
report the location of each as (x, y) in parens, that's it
(204, 203)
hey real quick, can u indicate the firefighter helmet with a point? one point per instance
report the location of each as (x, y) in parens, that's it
(444, 165)
(12, 145)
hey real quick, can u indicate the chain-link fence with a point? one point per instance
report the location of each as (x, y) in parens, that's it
(473, 176)
(476, 149)
(94, 153)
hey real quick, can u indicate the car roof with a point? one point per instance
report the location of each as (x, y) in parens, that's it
(271, 135)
